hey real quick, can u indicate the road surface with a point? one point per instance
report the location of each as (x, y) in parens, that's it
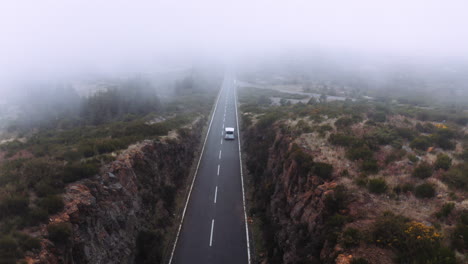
(213, 229)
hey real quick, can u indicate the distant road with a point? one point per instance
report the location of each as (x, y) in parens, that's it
(214, 227)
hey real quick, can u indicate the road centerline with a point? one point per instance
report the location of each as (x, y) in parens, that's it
(216, 194)
(211, 235)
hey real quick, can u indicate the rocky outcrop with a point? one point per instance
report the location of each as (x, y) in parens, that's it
(293, 204)
(134, 193)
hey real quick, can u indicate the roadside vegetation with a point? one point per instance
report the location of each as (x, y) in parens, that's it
(408, 165)
(53, 152)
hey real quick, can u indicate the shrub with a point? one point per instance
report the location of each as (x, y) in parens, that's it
(323, 129)
(421, 143)
(407, 187)
(443, 162)
(445, 210)
(27, 242)
(323, 170)
(350, 237)
(149, 247)
(8, 250)
(36, 216)
(459, 236)
(425, 190)
(304, 160)
(337, 200)
(14, 205)
(358, 153)
(51, 203)
(370, 166)
(416, 243)
(377, 186)
(412, 158)
(344, 122)
(378, 117)
(457, 176)
(423, 171)
(341, 140)
(388, 230)
(383, 135)
(59, 232)
(464, 155)
(77, 172)
(406, 133)
(359, 261)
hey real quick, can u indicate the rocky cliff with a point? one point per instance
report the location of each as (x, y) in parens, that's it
(297, 208)
(123, 214)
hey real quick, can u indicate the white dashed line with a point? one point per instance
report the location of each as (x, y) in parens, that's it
(216, 194)
(218, 169)
(219, 154)
(211, 236)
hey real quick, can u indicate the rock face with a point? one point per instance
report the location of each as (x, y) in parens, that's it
(134, 193)
(292, 203)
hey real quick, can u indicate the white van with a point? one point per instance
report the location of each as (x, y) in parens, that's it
(229, 133)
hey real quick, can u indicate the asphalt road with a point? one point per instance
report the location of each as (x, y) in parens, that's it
(214, 228)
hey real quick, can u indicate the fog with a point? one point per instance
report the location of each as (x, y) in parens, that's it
(46, 40)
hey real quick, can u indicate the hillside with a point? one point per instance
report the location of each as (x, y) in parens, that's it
(355, 181)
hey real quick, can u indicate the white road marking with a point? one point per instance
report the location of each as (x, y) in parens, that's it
(218, 169)
(219, 154)
(242, 182)
(194, 178)
(216, 194)
(221, 132)
(211, 236)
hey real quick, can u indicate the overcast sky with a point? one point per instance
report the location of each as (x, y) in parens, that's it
(41, 36)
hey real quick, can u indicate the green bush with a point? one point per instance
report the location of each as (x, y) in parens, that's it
(370, 166)
(404, 188)
(342, 140)
(445, 210)
(51, 203)
(359, 261)
(421, 143)
(406, 133)
(59, 232)
(389, 230)
(323, 170)
(412, 158)
(464, 155)
(37, 216)
(350, 237)
(77, 172)
(415, 242)
(14, 205)
(8, 250)
(27, 242)
(443, 162)
(337, 200)
(459, 237)
(425, 190)
(359, 153)
(457, 176)
(304, 161)
(377, 186)
(149, 247)
(423, 171)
